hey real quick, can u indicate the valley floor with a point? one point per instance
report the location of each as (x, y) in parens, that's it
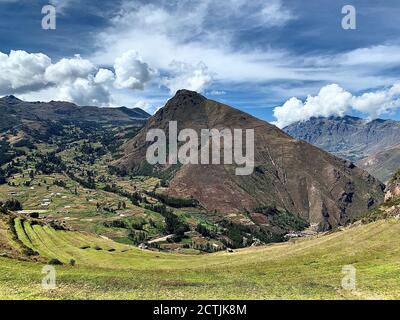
(308, 268)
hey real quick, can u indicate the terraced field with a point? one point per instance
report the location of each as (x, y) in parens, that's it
(304, 269)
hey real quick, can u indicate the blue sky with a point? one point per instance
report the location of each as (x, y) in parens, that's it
(262, 56)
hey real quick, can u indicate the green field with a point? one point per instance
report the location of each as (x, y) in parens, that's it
(308, 268)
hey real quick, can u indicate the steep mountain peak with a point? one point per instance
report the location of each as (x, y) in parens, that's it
(11, 99)
(188, 93)
(184, 98)
(135, 112)
(286, 172)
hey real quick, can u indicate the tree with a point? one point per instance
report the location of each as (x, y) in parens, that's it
(13, 205)
(3, 179)
(203, 230)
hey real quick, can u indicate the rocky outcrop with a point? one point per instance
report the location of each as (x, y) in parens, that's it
(392, 191)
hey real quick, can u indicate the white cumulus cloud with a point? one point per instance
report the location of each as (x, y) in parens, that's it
(67, 70)
(334, 100)
(85, 92)
(378, 102)
(331, 100)
(73, 79)
(186, 76)
(21, 71)
(104, 76)
(131, 72)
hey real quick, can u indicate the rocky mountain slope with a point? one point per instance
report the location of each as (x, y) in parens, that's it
(373, 145)
(382, 164)
(393, 188)
(318, 187)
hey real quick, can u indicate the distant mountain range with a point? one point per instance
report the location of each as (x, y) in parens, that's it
(316, 186)
(372, 145)
(32, 121)
(14, 112)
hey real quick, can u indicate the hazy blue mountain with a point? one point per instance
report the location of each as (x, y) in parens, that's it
(354, 139)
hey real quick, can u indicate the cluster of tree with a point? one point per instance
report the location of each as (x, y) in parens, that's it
(106, 208)
(173, 202)
(172, 222)
(137, 237)
(12, 168)
(25, 143)
(3, 178)
(60, 183)
(206, 247)
(396, 177)
(50, 163)
(52, 129)
(283, 219)
(116, 224)
(134, 197)
(160, 208)
(6, 153)
(88, 154)
(86, 182)
(204, 231)
(112, 170)
(121, 205)
(113, 188)
(241, 235)
(12, 205)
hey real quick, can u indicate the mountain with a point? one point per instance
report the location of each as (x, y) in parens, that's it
(382, 164)
(31, 121)
(14, 111)
(374, 145)
(307, 182)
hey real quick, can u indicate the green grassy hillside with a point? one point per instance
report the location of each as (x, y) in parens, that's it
(308, 268)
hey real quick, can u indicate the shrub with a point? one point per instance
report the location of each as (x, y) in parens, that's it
(29, 252)
(34, 215)
(3, 179)
(55, 262)
(12, 205)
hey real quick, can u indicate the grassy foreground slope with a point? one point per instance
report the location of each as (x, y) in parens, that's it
(303, 269)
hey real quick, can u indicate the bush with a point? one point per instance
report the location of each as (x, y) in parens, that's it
(3, 179)
(55, 262)
(34, 215)
(72, 262)
(29, 252)
(60, 183)
(12, 205)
